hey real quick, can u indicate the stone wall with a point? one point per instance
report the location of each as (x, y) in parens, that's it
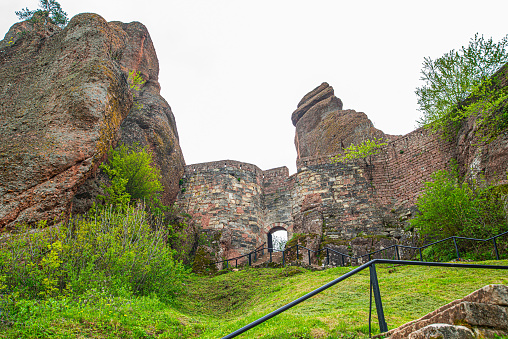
(354, 207)
(277, 199)
(225, 197)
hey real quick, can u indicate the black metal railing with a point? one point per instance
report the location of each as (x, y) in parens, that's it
(342, 259)
(374, 289)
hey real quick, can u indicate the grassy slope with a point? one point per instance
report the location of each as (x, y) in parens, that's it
(214, 307)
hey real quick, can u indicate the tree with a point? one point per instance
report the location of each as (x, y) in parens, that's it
(50, 11)
(133, 177)
(454, 77)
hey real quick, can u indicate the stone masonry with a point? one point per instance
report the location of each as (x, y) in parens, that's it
(354, 207)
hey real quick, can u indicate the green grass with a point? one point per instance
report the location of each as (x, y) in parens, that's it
(212, 307)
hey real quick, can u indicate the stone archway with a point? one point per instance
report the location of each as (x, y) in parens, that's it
(269, 235)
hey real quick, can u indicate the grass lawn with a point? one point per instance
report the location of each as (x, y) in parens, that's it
(212, 307)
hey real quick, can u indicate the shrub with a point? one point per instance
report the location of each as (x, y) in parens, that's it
(448, 207)
(133, 177)
(106, 250)
(363, 150)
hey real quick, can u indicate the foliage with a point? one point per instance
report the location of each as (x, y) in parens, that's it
(135, 82)
(107, 250)
(363, 150)
(449, 207)
(455, 77)
(50, 11)
(214, 306)
(133, 177)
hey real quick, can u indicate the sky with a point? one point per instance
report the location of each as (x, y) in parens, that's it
(233, 71)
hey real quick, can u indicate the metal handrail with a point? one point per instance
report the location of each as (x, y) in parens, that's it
(370, 254)
(373, 286)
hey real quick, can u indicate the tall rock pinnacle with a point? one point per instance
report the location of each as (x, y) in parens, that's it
(324, 128)
(64, 101)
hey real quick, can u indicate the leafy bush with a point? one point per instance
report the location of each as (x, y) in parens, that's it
(106, 250)
(133, 177)
(449, 207)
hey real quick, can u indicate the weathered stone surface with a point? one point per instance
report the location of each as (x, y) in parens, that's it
(480, 310)
(447, 331)
(314, 97)
(64, 95)
(323, 128)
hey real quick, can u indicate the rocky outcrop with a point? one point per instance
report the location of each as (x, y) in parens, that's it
(65, 100)
(324, 128)
(483, 314)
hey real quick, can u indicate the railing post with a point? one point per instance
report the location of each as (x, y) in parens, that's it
(495, 248)
(296, 252)
(383, 327)
(421, 256)
(255, 255)
(327, 257)
(309, 256)
(227, 264)
(342, 259)
(283, 258)
(456, 248)
(397, 249)
(250, 261)
(270, 256)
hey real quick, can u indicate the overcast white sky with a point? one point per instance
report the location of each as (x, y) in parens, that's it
(234, 71)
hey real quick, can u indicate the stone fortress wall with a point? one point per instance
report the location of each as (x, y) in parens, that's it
(355, 207)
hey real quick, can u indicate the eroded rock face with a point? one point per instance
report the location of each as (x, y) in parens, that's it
(64, 96)
(324, 128)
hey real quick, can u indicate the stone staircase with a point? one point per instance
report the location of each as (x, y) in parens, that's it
(265, 259)
(481, 314)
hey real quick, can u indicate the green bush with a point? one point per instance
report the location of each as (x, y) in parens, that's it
(133, 177)
(449, 207)
(107, 250)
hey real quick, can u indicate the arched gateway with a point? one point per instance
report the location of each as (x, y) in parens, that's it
(283, 234)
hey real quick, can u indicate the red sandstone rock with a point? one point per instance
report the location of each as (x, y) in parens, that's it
(484, 308)
(64, 96)
(323, 128)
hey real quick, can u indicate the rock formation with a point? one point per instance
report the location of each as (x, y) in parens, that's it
(64, 101)
(324, 128)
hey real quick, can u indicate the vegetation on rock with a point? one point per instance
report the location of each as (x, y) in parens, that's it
(133, 177)
(50, 11)
(135, 82)
(363, 150)
(461, 84)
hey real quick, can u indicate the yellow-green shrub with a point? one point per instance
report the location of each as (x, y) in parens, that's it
(107, 249)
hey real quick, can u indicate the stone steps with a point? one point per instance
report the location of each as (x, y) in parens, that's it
(481, 314)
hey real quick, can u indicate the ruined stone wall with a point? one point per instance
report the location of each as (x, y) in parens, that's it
(400, 171)
(225, 198)
(277, 195)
